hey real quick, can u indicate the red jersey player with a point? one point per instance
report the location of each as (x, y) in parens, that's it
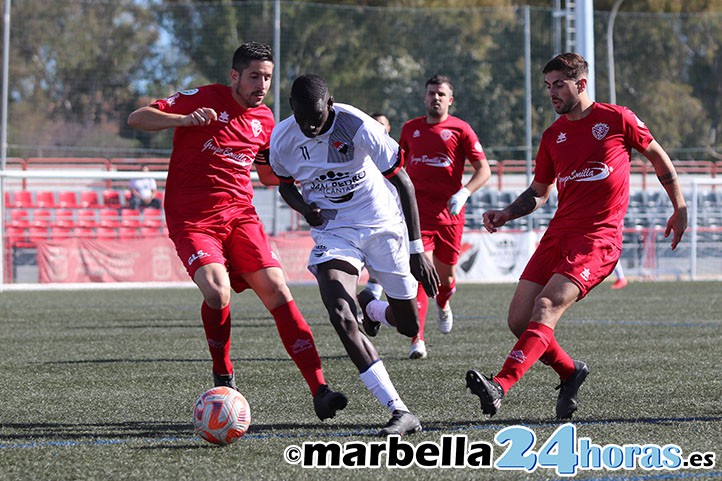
(220, 131)
(587, 152)
(437, 147)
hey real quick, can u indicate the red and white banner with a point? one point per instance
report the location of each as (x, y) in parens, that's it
(500, 257)
(91, 260)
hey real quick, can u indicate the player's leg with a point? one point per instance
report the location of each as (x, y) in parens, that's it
(621, 281)
(337, 282)
(213, 281)
(446, 255)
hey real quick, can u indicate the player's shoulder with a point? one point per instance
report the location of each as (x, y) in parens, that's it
(285, 131)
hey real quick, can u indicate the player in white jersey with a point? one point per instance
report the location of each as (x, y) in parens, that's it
(362, 210)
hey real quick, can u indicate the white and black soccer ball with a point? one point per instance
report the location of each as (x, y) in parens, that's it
(221, 415)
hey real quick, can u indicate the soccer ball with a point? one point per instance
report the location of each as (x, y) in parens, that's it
(221, 415)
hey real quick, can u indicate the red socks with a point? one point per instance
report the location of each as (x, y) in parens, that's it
(217, 324)
(558, 359)
(445, 293)
(532, 344)
(422, 301)
(298, 341)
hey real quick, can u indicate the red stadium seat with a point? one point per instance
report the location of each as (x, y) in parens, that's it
(84, 232)
(42, 218)
(130, 218)
(22, 198)
(64, 218)
(109, 218)
(106, 233)
(19, 218)
(149, 232)
(89, 199)
(8, 199)
(38, 233)
(61, 232)
(67, 199)
(152, 218)
(86, 218)
(45, 199)
(127, 232)
(111, 198)
(14, 235)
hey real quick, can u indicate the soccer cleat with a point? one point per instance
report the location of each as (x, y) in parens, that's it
(567, 400)
(446, 318)
(620, 283)
(228, 380)
(370, 326)
(488, 390)
(418, 350)
(326, 402)
(401, 423)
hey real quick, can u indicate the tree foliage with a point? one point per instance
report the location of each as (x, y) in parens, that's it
(79, 67)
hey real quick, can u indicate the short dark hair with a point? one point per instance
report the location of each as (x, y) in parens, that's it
(248, 52)
(438, 80)
(309, 89)
(572, 64)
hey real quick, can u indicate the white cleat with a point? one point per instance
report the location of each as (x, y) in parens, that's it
(418, 350)
(445, 319)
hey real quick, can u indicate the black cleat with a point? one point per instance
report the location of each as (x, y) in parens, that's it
(567, 400)
(401, 423)
(327, 402)
(228, 380)
(370, 326)
(488, 390)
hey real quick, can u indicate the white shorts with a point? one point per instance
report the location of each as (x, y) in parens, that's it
(384, 251)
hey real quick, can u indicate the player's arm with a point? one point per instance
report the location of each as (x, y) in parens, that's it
(482, 173)
(527, 202)
(422, 269)
(263, 169)
(667, 175)
(153, 119)
(289, 192)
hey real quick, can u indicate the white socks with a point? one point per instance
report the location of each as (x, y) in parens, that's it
(377, 311)
(378, 382)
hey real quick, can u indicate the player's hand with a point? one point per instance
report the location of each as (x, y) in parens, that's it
(677, 223)
(457, 201)
(425, 272)
(494, 219)
(313, 215)
(200, 117)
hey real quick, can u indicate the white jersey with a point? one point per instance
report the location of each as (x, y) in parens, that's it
(342, 170)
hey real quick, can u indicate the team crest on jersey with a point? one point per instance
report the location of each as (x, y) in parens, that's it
(340, 147)
(446, 135)
(417, 134)
(599, 131)
(257, 127)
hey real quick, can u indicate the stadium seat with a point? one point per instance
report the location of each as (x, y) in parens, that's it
(22, 199)
(45, 199)
(8, 199)
(64, 218)
(109, 218)
(127, 232)
(61, 232)
(89, 199)
(84, 232)
(130, 218)
(111, 198)
(19, 218)
(14, 235)
(86, 218)
(42, 218)
(152, 218)
(38, 233)
(67, 199)
(103, 232)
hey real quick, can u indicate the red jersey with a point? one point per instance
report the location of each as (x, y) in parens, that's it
(590, 160)
(435, 155)
(209, 176)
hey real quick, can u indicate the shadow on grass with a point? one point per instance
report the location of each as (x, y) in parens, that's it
(169, 359)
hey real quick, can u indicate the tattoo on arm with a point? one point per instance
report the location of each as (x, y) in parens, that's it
(525, 204)
(668, 178)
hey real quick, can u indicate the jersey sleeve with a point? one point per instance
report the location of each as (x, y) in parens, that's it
(183, 102)
(636, 132)
(472, 147)
(544, 169)
(383, 150)
(275, 157)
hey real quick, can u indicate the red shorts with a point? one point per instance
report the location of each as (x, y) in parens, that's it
(586, 260)
(445, 241)
(241, 245)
